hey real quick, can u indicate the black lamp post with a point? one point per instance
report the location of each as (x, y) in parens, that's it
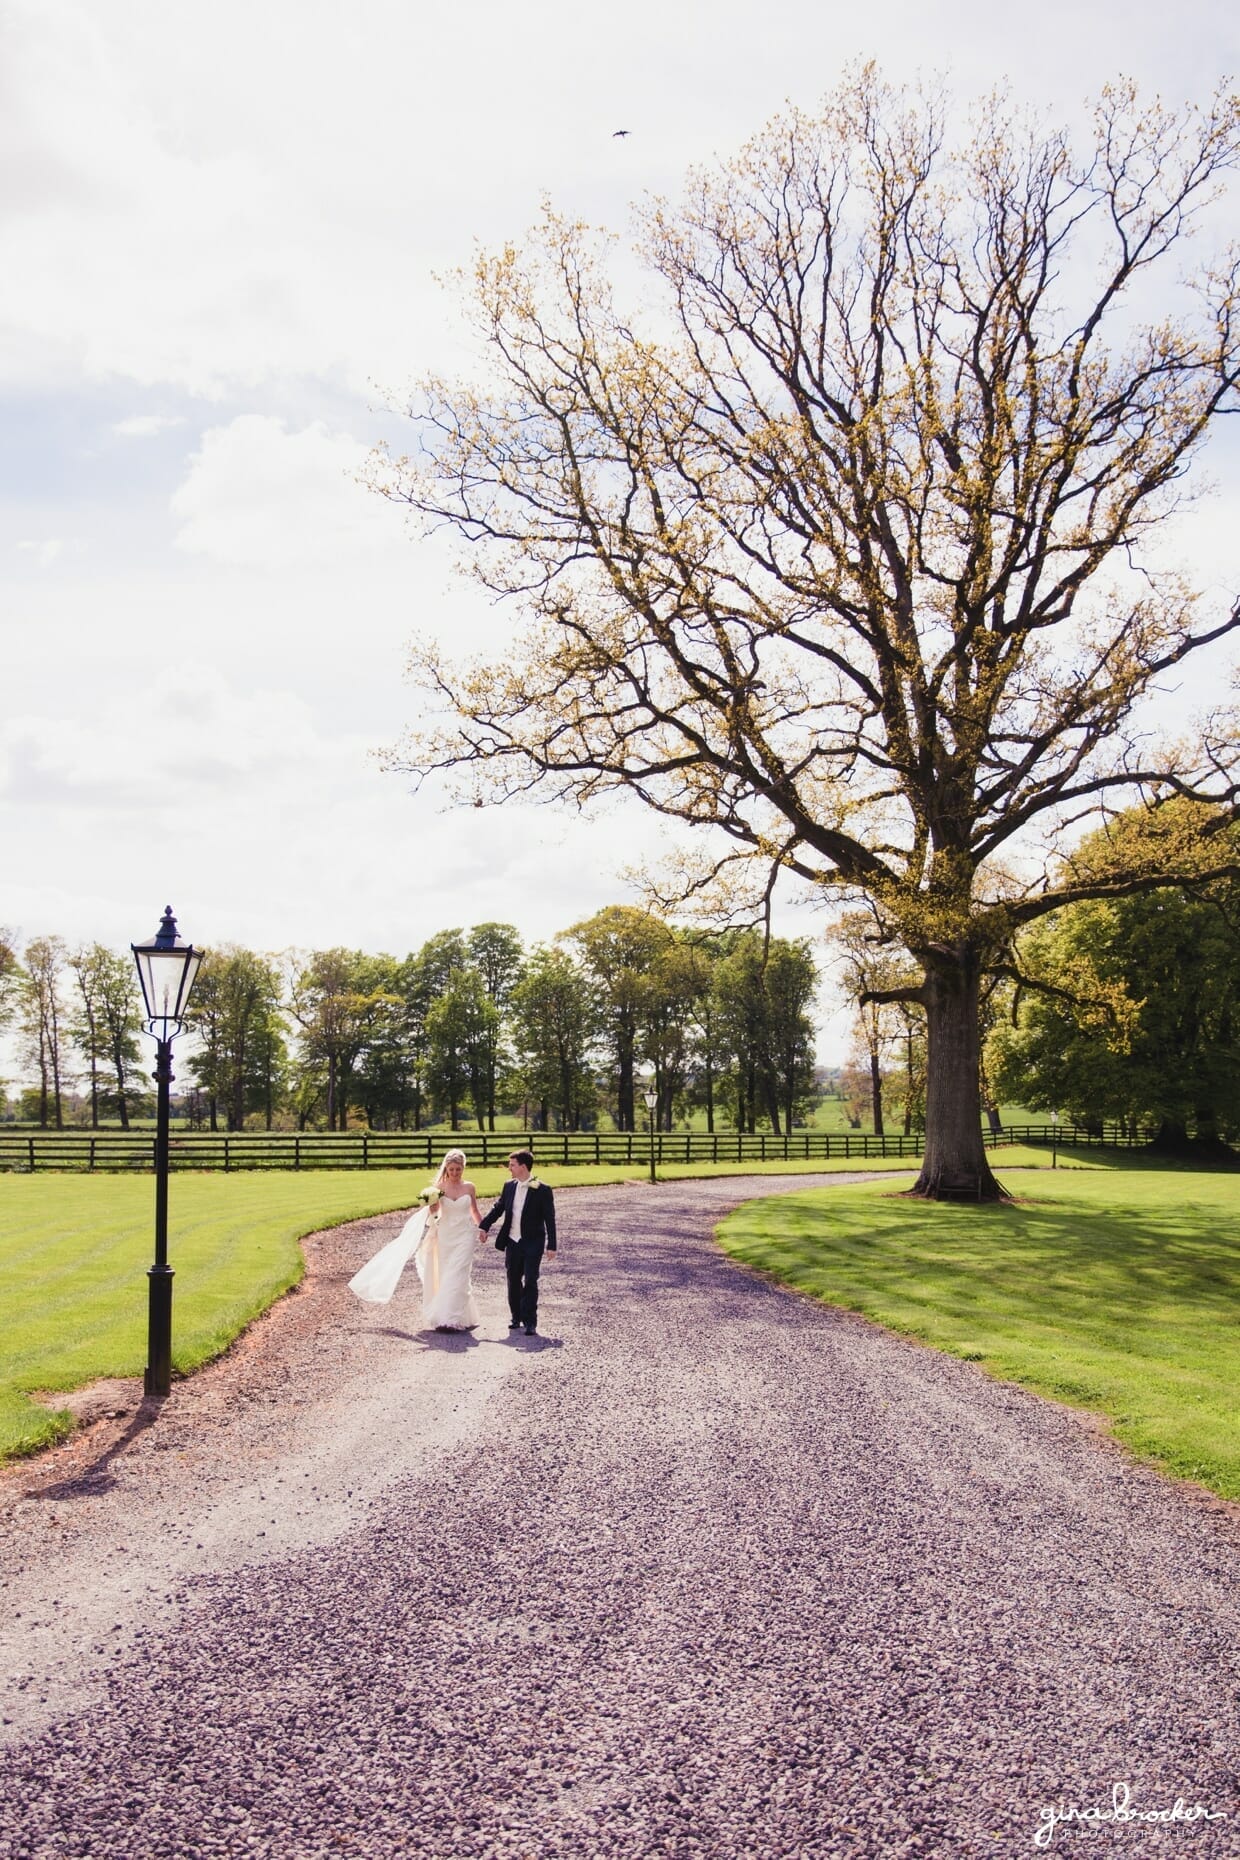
(166, 972)
(652, 1099)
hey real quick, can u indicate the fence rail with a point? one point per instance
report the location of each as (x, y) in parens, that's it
(134, 1151)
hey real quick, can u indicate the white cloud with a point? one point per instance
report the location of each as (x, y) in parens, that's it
(266, 196)
(258, 496)
(265, 824)
(49, 549)
(146, 425)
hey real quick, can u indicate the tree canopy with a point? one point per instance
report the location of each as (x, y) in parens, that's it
(1131, 1011)
(844, 552)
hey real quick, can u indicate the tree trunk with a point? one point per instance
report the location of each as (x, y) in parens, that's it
(771, 1097)
(955, 1167)
(624, 1082)
(876, 1092)
(1172, 1138)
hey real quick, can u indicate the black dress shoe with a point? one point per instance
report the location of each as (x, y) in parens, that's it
(514, 1324)
(530, 1331)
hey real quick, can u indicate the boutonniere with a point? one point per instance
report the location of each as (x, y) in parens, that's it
(533, 1182)
(431, 1197)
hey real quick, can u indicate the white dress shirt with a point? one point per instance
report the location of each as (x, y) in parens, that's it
(518, 1208)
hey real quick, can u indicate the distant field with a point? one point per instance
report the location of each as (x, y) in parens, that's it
(828, 1115)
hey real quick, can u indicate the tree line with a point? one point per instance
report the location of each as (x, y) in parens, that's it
(471, 1026)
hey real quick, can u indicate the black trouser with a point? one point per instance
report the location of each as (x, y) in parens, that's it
(523, 1258)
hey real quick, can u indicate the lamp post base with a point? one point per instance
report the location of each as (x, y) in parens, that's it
(158, 1378)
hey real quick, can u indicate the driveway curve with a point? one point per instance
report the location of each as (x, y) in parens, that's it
(707, 1570)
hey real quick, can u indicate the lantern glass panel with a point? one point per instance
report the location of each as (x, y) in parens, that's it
(166, 973)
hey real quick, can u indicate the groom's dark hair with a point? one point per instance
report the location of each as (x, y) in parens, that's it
(524, 1157)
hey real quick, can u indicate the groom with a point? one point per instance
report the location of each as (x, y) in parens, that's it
(526, 1214)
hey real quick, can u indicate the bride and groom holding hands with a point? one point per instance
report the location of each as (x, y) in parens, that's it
(440, 1238)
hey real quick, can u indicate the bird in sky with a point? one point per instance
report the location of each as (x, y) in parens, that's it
(620, 132)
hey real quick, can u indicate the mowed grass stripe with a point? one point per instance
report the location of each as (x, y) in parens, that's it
(1113, 1288)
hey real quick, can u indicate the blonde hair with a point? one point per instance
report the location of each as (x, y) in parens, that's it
(451, 1157)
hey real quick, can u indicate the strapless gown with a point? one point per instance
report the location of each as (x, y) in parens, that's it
(445, 1263)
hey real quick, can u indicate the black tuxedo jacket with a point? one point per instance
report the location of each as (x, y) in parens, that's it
(537, 1216)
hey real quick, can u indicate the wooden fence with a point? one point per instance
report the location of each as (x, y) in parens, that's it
(119, 1150)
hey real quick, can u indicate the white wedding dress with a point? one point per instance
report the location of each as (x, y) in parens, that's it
(445, 1263)
(441, 1246)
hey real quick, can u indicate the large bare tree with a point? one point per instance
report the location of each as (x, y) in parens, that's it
(845, 553)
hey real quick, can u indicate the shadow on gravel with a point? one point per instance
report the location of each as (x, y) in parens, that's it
(97, 1478)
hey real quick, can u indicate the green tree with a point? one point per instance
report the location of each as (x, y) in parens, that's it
(703, 1021)
(43, 1023)
(106, 1028)
(496, 952)
(1143, 1021)
(10, 984)
(415, 985)
(10, 975)
(383, 1078)
(620, 946)
(764, 993)
(849, 557)
(462, 1026)
(557, 1021)
(673, 1020)
(236, 1012)
(340, 998)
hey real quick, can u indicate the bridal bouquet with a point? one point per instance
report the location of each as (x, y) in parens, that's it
(430, 1197)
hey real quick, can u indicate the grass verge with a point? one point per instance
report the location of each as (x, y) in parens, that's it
(1111, 1287)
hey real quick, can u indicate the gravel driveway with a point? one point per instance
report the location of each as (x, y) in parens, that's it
(707, 1569)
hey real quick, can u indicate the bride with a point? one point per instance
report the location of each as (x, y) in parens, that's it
(445, 1257)
(440, 1238)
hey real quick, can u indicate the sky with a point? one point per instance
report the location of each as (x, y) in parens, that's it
(222, 235)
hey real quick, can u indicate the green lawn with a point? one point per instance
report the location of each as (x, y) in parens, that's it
(1112, 1286)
